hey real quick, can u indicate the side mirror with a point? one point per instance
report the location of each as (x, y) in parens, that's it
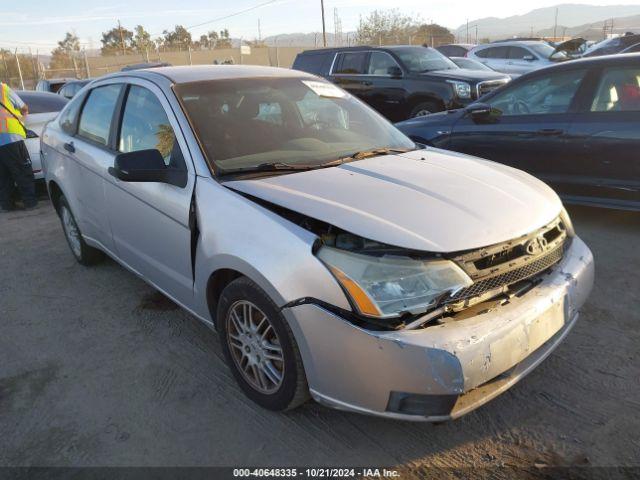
(31, 134)
(146, 166)
(394, 72)
(479, 111)
(529, 58)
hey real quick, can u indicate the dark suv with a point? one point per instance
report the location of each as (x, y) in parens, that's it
(400, 81)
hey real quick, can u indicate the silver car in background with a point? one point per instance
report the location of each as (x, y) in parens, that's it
(518, 56)
(334, 258)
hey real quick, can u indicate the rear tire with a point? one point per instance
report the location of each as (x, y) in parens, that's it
(424, 108)
(260, 348)
(83, 253)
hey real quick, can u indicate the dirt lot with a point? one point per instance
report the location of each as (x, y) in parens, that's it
(97, 369)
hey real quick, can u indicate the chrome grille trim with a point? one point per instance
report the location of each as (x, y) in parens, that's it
(482, 88)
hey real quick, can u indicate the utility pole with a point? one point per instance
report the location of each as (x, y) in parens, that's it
(555, 25)
(86, 64)
(19, 70)
(259, 33)
(476, 34)
(467, 30)
(324, 30)
(121, 38)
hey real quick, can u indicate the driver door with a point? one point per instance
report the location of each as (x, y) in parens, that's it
(529, 126)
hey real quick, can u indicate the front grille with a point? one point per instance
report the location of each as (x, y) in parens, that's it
(508, 278)
(485, 87)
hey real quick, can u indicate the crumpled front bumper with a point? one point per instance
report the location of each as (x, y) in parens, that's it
(443, 371)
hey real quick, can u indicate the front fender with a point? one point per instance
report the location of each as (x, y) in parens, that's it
(238, 234)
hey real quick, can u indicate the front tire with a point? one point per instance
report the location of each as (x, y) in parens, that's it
(260, 348)
(83, 253)
(423, 109)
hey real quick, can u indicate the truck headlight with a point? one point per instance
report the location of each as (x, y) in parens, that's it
(387, 286)
(461, 89)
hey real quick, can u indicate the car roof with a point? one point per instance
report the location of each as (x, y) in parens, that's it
(58, 80)
(198, 73)
(317, 51)
(36, 94)
(507, 43)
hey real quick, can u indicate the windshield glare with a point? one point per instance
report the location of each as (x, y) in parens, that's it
(244, 123)
(545, 51)
(423, 59)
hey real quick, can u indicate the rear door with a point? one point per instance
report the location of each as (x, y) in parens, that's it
(529, 125)
(150, 221)
(494, 57)
(605, 162)
(349, 72)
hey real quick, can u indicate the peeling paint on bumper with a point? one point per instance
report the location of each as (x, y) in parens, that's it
(476, 358)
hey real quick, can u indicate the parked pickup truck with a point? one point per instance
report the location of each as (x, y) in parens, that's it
(401, 81)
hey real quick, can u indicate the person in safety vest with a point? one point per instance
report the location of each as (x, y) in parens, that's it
(15, 163)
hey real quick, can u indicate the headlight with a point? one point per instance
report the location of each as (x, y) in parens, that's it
(387, 286)
(568, 224)
(461, 89)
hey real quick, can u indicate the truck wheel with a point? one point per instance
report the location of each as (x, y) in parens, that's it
(85, 255)
(424, 108)
(260, 348)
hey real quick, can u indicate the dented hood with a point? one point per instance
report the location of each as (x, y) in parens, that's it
(427, 200)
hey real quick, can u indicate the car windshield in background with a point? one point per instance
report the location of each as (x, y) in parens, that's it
(421, 59)
(246, 124)
(545, 51)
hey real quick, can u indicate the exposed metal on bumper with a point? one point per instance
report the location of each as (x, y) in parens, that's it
(476, 358)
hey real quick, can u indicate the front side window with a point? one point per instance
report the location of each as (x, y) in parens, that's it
(380, 63)
(542, 95)
(145, 126)
(97, 114)
(618, 91)
(239, 127)
(519, 53)
(350, 63)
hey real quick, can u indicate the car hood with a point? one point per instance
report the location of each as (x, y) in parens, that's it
(428, 200)
(465, 74)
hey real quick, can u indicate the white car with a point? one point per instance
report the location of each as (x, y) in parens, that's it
(43, 107)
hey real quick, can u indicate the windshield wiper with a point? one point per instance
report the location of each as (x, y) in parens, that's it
(374, 153)
(269, 167)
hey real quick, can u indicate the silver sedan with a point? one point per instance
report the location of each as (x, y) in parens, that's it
(334, 257)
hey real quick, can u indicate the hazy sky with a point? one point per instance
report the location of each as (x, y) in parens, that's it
(40, 23)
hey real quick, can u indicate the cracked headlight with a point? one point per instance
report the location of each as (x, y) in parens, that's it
(387, 286)
(461, 89)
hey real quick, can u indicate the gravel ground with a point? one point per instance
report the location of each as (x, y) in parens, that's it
(97, 370)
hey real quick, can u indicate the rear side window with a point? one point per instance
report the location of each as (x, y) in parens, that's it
(97, 114)
(68, 118)
(619, 91)
(145, 126)
(350, 63)
(452, 50)
(493, 52)
(312, 63)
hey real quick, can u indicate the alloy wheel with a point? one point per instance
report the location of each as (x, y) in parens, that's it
(71, 231)
(255, 347)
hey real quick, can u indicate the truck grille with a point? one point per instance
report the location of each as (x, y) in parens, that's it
(504, 264)
(485, 87)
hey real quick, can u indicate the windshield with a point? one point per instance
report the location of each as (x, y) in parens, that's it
(423, 59)
(545, 51)
(252, 122)
(470, 64)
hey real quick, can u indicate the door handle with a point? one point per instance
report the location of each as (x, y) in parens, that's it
(550, 132)
(69, 147)
(367, 83)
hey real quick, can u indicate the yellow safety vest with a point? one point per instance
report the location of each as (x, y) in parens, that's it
(9, 123)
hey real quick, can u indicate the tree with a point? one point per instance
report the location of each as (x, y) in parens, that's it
(66, 53)
(386, 27)
(178, 38)
(219, 39)
(141, 39)
(433, 35)
(116, 41)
